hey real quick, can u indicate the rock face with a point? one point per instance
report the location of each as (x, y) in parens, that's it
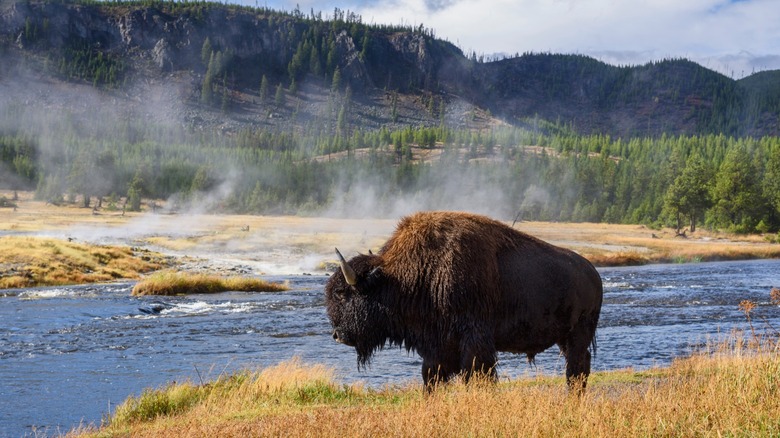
(162, 55)
(57, 24)
(173, 41)
(353, 67)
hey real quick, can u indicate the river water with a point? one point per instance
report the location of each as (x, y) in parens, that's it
(69, 355)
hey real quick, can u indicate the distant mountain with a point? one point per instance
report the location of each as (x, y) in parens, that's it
(202, 65)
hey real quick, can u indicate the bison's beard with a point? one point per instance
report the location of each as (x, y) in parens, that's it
(369, 334)
(364, 356)
(370, 344)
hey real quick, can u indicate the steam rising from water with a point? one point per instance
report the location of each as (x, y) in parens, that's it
(370, 201)
(44, 111)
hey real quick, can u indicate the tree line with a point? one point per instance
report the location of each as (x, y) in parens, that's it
(715, 181)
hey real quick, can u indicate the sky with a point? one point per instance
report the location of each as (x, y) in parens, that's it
(734, 37)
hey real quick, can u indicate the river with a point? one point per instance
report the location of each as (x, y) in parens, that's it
(69, 355)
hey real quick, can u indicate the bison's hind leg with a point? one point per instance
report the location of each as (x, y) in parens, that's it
(577, 371)
(575, 350)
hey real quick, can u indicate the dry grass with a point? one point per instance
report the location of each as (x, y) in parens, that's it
(33, 216)
(630, 258)
(624, 245)
(35, 261)
(180, 283)
(732, 390)
(306, 243)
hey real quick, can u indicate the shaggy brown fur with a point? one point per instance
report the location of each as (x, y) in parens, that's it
(458, 287)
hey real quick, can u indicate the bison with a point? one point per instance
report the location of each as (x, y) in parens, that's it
(457, 288)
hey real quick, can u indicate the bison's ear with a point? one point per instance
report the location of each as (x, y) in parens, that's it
(373, 277)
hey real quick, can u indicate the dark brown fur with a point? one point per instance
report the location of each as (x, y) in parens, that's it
(458, 287)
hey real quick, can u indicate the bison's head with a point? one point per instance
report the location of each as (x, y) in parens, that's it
(354, 298)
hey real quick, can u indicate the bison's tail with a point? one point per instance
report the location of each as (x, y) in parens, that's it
(593, 323)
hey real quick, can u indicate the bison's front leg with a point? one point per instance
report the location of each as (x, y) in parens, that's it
(440, 364)
(478, 355)
(437, 371)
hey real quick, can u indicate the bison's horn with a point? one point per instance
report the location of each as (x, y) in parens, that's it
(349, 274)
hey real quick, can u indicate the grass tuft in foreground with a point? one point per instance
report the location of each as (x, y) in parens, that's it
(179, 283)
(733, 389)
(246, 394)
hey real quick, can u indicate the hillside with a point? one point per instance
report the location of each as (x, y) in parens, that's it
(201, 65)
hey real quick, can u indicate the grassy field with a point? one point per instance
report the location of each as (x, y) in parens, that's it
(733, 390)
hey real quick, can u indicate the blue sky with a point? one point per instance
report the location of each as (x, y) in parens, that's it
(735, 37)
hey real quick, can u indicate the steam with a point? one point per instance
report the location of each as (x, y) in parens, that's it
(59, 114)
(448, 188)
(204, 201)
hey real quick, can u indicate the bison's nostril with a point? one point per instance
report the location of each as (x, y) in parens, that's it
(335, 335)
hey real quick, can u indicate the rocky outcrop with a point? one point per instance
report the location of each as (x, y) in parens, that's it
(351, 66)
(413, 49)
(162, 55)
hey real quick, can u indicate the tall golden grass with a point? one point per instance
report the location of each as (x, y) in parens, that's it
(730, 390)
(180, 283)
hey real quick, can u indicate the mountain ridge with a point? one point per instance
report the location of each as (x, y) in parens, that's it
(206, 62)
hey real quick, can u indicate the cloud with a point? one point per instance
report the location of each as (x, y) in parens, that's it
(732, 36)
(439, 5)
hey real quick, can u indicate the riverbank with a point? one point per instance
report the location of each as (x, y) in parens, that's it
(729, 391)
(230, 245)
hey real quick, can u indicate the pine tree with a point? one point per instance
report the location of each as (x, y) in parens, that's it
(689, 195)
(205, 52)
(207, 88)
(737, 195)
(394, 108)
(279, 97)
(315, 65)
(336, 83)
(771, 185)
(135, 192)
(263, 89)
(225, 97)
